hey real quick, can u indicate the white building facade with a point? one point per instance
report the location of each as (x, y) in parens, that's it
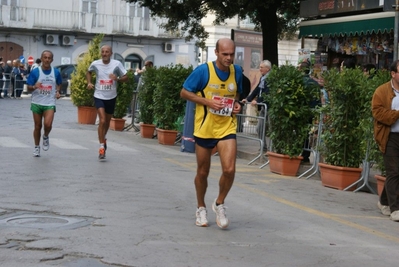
(27, 27)
(288, 50)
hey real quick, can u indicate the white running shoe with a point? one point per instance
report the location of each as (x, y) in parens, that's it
(221, 217)
(36, 152)
(46, 143)
(385, 210)
(395, 216)
(201, 221)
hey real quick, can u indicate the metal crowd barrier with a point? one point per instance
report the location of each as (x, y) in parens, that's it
(253, 127)
(18, 86)
(134, 106)
(366, 165)
(312, 144)
(6, 84)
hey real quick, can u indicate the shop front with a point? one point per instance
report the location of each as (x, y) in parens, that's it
(369, 38)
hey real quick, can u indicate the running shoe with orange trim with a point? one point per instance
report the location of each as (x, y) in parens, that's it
(101, 153)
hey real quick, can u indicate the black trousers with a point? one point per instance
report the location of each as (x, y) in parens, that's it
(389, 195)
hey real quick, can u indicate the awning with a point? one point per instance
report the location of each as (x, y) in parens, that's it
(349, 25)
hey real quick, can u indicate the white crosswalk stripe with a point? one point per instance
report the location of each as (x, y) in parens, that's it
(13, 142)
(118, 147)
(61, 143)
(6, 141)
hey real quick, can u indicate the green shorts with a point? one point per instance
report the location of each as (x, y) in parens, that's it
(40, 109)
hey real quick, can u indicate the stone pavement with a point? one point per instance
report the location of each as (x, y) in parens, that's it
(249, 150)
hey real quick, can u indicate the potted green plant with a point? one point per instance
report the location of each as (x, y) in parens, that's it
(145, 99)
(123, 100)
(289, 112)
(81, 97)
(168, 106)
(343, 147)
(375, 156)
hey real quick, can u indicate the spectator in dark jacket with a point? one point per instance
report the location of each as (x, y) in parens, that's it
(308, 82)
(7, 77)
(246, 89)
(1, 76)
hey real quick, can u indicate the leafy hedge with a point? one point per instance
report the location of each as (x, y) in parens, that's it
(80, 95)
(289, 109)
(125, 95)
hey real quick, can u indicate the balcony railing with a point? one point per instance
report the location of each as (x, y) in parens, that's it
(33, 18)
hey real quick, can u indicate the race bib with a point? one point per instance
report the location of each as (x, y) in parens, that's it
(45, 89)
(106, 84)
(228, 106)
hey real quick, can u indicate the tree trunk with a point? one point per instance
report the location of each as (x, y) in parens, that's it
(268, 20)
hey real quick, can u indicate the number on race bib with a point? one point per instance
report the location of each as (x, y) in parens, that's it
(228, 106)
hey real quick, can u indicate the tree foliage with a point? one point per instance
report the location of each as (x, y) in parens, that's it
(274, 18)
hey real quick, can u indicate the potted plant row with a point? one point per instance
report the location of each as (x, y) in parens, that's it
(347, 126)
(375, 155)
(289, 112)
(123, 100)
(160, 101)
(81, 97)
(145, 99)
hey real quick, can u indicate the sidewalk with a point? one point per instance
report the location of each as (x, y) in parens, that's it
(249, 149)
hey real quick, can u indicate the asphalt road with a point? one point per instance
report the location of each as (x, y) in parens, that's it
(137, 208)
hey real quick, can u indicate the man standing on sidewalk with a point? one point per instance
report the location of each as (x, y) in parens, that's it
(385, 108)
(45, 84)
(7, 76)
(108, 72)
(256, 97)
(215, 87)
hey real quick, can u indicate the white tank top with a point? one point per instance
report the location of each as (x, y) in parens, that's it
(105, 87)
(45, 95)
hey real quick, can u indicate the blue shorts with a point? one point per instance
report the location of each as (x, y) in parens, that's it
(212, 142)
(107, 105)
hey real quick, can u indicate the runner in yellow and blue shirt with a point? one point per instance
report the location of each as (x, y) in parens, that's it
(215, 87)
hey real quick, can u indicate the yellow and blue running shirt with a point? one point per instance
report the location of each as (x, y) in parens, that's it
(208, 81)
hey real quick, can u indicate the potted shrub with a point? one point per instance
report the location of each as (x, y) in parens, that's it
(289, 112)
(374, 154)
(167, 104)
(123, 100)
(145, 99)
(82, 97)
(343, 148)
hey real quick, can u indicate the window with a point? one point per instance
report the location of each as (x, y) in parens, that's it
(135, 10)
(14, 15)
(9, 2)
(89, 6)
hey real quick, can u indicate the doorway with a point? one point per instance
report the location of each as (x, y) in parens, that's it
(10, 51)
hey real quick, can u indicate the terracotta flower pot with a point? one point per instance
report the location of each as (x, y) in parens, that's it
(117, 124)
(283, 164)
(380, 183)
(339, 177)
(87, 115)
(147, 130)
(166, 137)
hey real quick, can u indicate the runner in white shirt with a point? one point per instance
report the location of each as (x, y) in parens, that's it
(108, 72)
(45, 84)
